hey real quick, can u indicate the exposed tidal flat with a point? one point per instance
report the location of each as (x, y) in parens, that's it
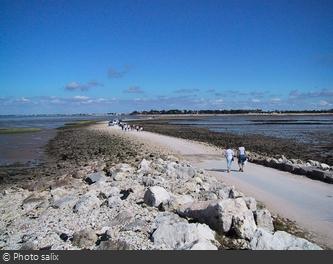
(297, 136)
(100, 190)
(19, 130)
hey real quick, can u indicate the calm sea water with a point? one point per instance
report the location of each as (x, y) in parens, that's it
(316, 130)
(310, 129)
(28, 147)
(44, 122)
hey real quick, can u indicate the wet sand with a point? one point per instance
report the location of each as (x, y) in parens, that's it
(24, 148)
(308, 202)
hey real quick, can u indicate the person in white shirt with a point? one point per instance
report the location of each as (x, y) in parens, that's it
(229, 154)
(241, 155)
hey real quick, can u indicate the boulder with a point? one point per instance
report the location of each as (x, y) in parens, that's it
(120, 176)
(188, 187)
(65, 201)
(273, 163)
(144, 166)
(122, 171)
(62, 198)
(59, 193)
(170, 169)
(152, 181)
(280, 240)
(114, 244)
(112, 191)
(251, 203)
(234, 193)
(244, 225)
(166, 217)
(184, 172)
(136, 225)
(122, 218)
(114, 201)
(86, 203)
(155, 196)
(291, 242)
(289, 167)
(206, 187)
(317, 174)
(219, 214)
(33, 200)
(203, 245)
(181, 235)
(178, 201)
(208, 196)
(104, 190)
(198, 180)
(96, 177)
(224, 193)
(314, 163)
(264, 219)
(324, 166)
(85, 238)
(29, 245)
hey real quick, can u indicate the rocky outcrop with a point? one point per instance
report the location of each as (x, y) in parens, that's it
(173, 233)
(311, 169)
(264, 219)
(280, 240)
(159, 204)
(223, 216)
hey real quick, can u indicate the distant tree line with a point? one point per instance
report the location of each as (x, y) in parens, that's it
(224, 111)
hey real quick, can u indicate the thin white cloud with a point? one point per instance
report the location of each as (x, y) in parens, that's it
(114, 73)
(275, 100)
(23, 100)
(315, 93)
(186, 91)
(219, 101)
(56, 101)
(323, 103)
(74, 86)
(134, 90)
(81, 97)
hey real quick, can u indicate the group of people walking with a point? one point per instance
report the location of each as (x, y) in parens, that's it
(241, 156)
(126, 127)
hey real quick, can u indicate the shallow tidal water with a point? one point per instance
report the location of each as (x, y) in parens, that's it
(28, 148)
(315, 130)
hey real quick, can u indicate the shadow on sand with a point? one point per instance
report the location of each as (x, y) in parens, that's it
(221, 170)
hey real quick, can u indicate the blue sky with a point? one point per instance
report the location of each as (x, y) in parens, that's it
(119, 56)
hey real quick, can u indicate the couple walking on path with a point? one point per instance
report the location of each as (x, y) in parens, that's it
(241, 156)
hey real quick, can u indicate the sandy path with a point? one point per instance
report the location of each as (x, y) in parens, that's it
(308, 202)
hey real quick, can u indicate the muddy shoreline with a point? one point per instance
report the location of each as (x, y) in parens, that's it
(22, 149)
(69, 150)
(263, 145)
